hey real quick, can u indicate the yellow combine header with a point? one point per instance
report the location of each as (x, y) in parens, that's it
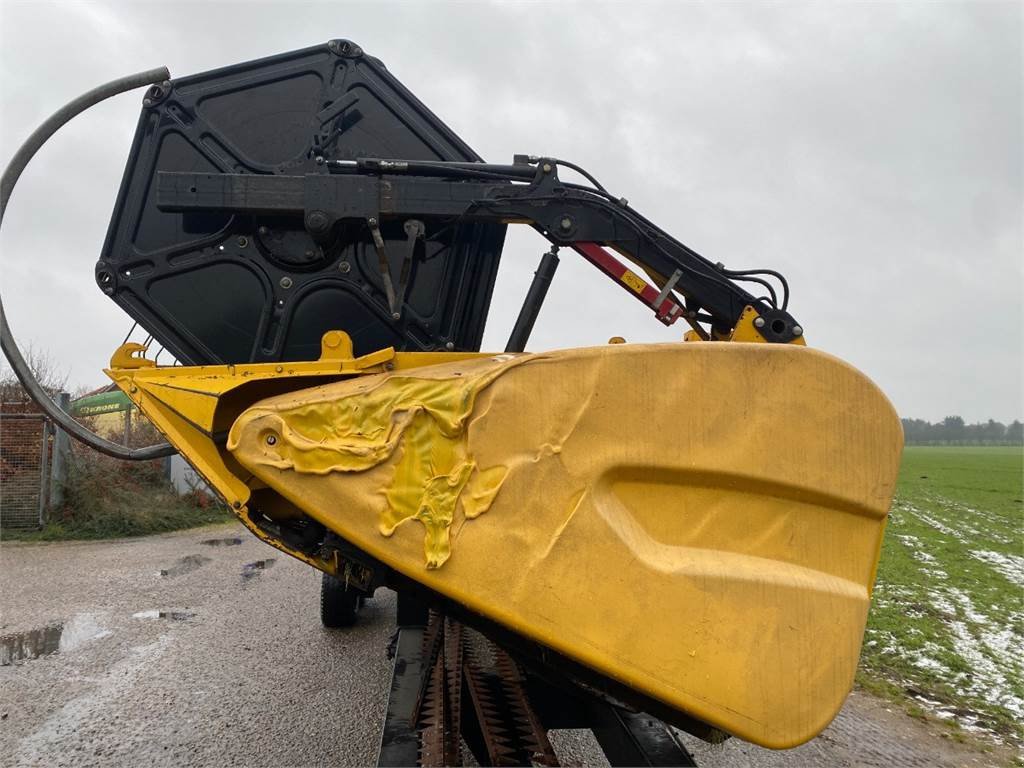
(705, 559)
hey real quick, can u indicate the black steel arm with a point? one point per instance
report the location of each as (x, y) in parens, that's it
(566, 214)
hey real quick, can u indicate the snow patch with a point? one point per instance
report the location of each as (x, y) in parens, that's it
(1010, 566)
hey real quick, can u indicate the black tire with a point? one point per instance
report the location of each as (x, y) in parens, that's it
(338, 605)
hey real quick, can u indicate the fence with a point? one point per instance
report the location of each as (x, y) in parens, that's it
(33, 461)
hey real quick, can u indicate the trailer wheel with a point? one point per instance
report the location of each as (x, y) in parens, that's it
(338, 605)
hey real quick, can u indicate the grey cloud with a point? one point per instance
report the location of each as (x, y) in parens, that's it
(870, 152)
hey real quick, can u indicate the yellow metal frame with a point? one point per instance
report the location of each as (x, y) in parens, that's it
(745, 330)
(194, 406)
(777, 555)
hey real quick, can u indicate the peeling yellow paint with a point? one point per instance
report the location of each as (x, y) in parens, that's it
(422, 421)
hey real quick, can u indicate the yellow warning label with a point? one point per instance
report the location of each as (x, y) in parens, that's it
(634, 281)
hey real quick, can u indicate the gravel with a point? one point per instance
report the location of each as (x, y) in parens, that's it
(177, 651)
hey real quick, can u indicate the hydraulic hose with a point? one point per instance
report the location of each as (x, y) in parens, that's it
(10, 349)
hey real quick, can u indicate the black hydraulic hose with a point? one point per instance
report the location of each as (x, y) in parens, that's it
(11, 175)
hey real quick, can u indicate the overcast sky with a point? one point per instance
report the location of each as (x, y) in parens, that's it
(872, 153)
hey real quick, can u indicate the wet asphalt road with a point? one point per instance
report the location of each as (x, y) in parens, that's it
(172, 651)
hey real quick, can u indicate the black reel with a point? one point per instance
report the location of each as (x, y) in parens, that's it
(222, 288)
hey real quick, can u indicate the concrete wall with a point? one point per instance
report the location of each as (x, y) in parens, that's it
(183, 477)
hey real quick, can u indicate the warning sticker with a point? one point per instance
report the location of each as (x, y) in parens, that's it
(634, 281)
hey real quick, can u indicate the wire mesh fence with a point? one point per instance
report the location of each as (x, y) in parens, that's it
(25, 450)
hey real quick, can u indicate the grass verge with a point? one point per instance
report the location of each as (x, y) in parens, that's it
(947, 619)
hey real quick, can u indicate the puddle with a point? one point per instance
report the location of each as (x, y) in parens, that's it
(186, 564)
(249, 570)
(230, 542)
(50, 638)
(172, 615)
(82, 629)
(31, 644)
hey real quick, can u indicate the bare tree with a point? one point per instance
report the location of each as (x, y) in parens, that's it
(53, 378)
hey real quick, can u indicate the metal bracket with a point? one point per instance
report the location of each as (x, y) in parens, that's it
(667, 289)
(385, 267)
(415, 231)
(130, 355)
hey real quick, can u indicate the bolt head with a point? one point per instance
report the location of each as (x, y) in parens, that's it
(798, 331)
(565, 223)
(317, 221)
(344, 267)
(286, 282)
(546, 167)
(271, 440)
(759, 322)
(449, 346)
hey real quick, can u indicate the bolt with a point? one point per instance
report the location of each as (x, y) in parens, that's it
(546, 167)
(286, 282)
(449, 346)
(372, 221)
(566, 223)
(147, 102)
(317, 221)
(798, 331)
(271, 440)
(344, 267)
(242, 242)
(236, 504)
(396, 315)
(319, 159)
(134, 389)
(759, 322)
(279, 368)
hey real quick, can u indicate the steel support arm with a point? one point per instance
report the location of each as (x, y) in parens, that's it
(566, 214)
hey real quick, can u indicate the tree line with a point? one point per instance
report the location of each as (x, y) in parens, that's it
(953, 431)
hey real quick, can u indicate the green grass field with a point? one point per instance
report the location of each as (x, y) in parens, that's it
(946, 629)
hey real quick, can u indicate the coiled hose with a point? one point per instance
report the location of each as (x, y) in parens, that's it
(10, 349)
